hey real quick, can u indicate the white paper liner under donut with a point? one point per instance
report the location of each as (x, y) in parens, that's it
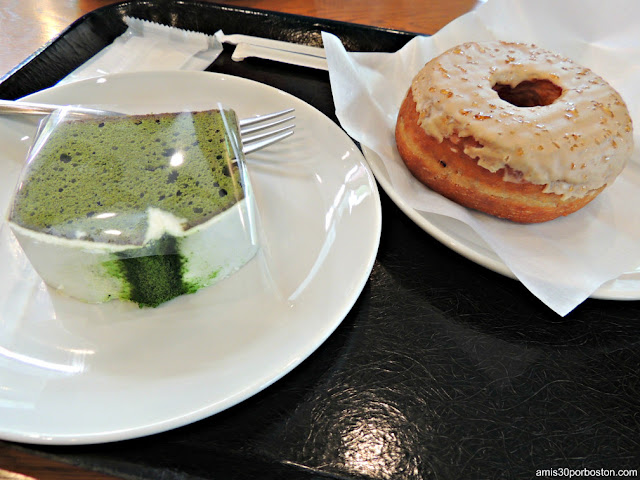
(564, 261)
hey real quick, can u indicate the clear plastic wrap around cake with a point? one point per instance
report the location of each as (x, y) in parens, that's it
(141, 208)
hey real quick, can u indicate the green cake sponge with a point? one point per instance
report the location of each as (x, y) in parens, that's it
(87, 169)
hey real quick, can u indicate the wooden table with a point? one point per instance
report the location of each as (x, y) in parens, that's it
(26, 25)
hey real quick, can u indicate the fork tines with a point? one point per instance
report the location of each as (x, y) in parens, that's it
(265, 124)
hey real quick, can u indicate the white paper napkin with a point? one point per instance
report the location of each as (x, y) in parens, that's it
(564, 261)
(148, 46)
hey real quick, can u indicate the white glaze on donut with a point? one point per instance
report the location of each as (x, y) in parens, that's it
(578, 143)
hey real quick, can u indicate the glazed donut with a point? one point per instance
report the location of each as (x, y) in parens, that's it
(513, 130)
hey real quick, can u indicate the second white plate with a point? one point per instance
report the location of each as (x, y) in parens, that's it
(462, 239)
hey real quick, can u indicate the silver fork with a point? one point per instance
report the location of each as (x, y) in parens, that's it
(256, 132)
(259, 132)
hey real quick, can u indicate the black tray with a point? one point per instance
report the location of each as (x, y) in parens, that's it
(443, 369)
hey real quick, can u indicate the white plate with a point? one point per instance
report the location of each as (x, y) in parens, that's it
(72, 373)
(462, 239)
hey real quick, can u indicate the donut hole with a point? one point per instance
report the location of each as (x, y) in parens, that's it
(529, 93)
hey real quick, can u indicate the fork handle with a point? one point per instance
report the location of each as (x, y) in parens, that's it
(30, 108)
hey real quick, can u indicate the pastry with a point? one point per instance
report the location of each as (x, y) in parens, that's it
(142, 208)
(513, 130)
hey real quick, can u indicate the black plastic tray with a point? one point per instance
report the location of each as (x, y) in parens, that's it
(443, 369)
(91, 33)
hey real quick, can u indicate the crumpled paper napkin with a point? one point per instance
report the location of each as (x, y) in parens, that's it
(148, 46)
(564, 261)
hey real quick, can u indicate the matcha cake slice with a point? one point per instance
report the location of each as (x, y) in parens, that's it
(142, 207)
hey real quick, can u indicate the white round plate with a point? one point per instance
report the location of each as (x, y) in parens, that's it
(72, 373)
(461, 238)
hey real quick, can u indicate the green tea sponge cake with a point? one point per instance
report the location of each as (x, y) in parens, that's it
(142, 207)
(513, 130)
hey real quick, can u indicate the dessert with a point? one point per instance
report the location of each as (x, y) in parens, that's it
(513, 130)
(142, 208)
